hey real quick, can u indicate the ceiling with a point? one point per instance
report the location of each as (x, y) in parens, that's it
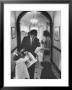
(25, 20)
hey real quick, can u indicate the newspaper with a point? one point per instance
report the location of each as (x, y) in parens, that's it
(31, 59)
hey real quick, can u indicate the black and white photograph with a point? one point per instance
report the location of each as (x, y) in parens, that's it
(34, 33)
(36, 44)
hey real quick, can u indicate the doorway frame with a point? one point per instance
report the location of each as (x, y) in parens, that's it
(44, 13)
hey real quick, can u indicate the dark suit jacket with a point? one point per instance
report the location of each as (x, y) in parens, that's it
(27, 45)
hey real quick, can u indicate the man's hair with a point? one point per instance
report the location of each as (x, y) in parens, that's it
(33, 32)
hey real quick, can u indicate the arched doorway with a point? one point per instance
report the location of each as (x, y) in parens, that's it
(45, 13)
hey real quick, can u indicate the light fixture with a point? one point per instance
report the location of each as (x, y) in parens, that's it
(34, 20)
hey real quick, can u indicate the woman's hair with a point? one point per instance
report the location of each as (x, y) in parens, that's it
(46, 33)
(33, 32)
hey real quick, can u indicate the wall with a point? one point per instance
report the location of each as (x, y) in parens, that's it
(57, 23)
(57, 44)
(13, 22)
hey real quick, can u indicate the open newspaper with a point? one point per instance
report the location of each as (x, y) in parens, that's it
(31, 59)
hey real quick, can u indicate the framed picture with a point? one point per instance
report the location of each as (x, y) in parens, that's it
(57, 33)
(46, 8)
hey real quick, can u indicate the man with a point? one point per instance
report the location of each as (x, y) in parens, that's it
(30, 43)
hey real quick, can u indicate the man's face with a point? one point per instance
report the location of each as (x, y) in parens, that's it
(32, 36)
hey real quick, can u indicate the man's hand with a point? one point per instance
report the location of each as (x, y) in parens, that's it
(22, 50)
